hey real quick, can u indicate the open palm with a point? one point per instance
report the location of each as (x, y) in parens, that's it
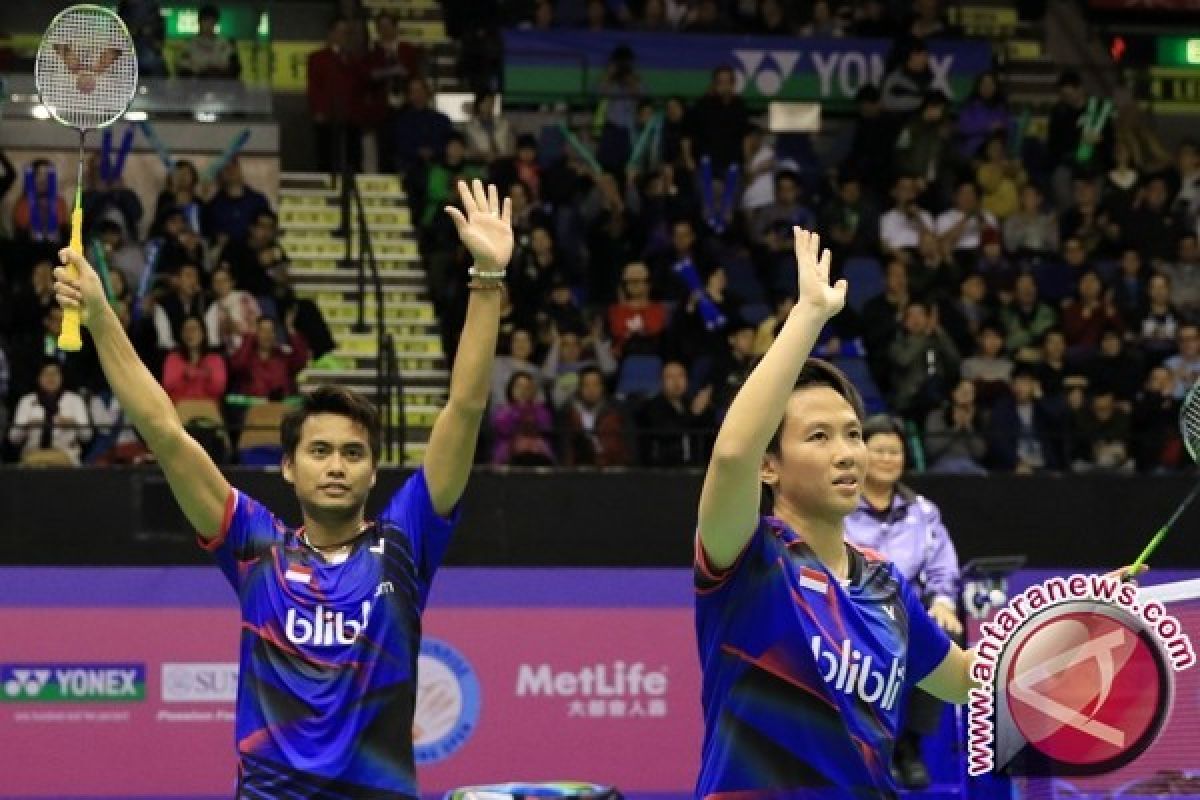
(485, 228)
(812, 267)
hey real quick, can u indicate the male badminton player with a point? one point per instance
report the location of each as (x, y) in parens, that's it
(331, 613)
(808, 646)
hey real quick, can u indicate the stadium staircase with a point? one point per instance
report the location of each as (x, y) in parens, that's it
(309, 217)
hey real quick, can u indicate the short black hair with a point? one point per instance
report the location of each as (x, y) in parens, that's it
(882, 423)
(332, 400)
(817, 373)
(209, 12)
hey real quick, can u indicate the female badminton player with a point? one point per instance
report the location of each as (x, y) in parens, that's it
(330, 612)
(808, 645)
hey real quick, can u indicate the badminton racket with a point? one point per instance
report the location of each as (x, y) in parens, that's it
(86, 75)
(1189, 429)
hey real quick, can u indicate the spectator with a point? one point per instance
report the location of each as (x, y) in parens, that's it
(570, 354)
(850, 221)
(308, 320)
(124, 257)
(1158, 324)
(618, 93)
(928, 20)
(871, 20)
(984, 115)
(31, 301)
(924, 362)
(1153, 227)
(1031, 232)
(1002, 178)
(522, 426)
(881, 319)
(924, 149)
(700, 323)
(595, 431)
(732, 367)
(51, 418)
(954, 440)
(1058, 279)
(1185, 365)
(933, 274)
(960, 229)
(1129, 288)
(233, 314)
(636, 322)
(108, 199)
(250, 259)
(989, 369)
(769, 328)
(182, 193)
(336, 88)
(518, 359)
(786, 206)
(760, 179)
(673, 431)
(561, 312)
(705, 17)
(872, 145)
(718, 122)
(654, 17)
(444, 176)
(187, 300)
(1116, 369)
(1155, 422)
(1087, 220)
(905, 86)
(1065, 141)
(191, 371)
(963, 317)
(533, 270)
(1052, 369)
(1085, 318)
(419, 132)
(1024, 433)
(1103, 430)
(390, 63)
(1121, 182)
(262, 367)
(1185, 179)
(234, 207)
(489, 135)
(901, 227)
(180, 244)
(998, 272)
(824, 23)
(40, 213)
(1184, 274)
(1026, 319)
(145, 22)
(207, 55)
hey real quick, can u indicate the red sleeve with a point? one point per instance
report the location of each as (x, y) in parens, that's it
(318, 97)
(218, 378)
(242, 359)
(173, 375)
(226, 518)
(298, 358)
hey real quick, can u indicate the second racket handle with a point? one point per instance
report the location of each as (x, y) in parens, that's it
(69, 337)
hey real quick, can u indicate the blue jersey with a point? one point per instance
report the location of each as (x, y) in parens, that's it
(805, 678)
(327, 673)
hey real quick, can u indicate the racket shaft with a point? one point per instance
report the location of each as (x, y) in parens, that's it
(69, 338)
(1162, 532)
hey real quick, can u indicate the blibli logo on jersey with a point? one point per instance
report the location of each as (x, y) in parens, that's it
(326, 627)
(849, 671)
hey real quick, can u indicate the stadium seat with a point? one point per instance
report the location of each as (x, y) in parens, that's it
(260, 443)
(46, 457)
(858, 373)
(193, 409)
(865, 276)
(640, 375)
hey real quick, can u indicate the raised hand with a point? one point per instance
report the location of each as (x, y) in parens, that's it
(485, 229)
(85, 292)
(812, 266)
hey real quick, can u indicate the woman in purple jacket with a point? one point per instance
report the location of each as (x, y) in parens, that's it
(983, 113)
(907, 529)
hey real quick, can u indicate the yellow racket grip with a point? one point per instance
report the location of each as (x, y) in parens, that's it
(69, 338)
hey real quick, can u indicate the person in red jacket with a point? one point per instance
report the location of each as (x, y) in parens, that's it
(636, 321)
(263, 368)
(191, 372)
(336, 86)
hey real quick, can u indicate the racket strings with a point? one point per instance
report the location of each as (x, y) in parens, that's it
(86, 68)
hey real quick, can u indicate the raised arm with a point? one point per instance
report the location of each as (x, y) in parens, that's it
(486, 230)
(199, 487)
(730, 499)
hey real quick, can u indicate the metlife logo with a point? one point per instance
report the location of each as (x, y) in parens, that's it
(199, 682)
(72, 683)
(615, 690)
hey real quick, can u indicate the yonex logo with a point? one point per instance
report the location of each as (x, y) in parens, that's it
(26, 682)
(72, 683)
(766, 70)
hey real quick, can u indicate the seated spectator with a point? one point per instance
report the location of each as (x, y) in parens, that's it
(107, 199)
(234, 207)
(1102, 436)
(262, 367)
(1185, 364)
(998, 272)
(518, 358)
(1052, 368)
(1155, 422)
(1185, 178)
(881, 319)
(570, 354)
(182, 194)
(534, 267)
(595, 431)
(123, 256)
(871, 20)
(850, 221)
(1158, 326)
(636, 322)
(250, 259)
(1024, 433)
(522, 426)
(1001, 178)
(901, 227)
(232, 315)
(1088, 220)
(928, 20)
(1153, 227)
(1184, 273)
(960, 229)
(758, 183)
(190, 371)
(30, 302)
(116, 441)
(787, 206)
(1027, 318)
(1085, 318)
(1116, 368)
(989, 368)
(80, 370)
(1129, 288)
(419, 131)
(824, 22)
(207, 55)
(1121, 182)
(701, 322)
(40, 213)
(905, 87)
(775, 260)
(51, 418)
(1031, 232)
(924, 361)
(733, 366)
(187, 300)
(933, 274)
(924, 149)
(873, 141)
(489, 135)
(963, 316)
(954, 440)
(179, 244)
(769, 328)
(562, 312)
(306, 315)
(673, 431)
(1058, 278)
(984, 115)
(444, 175)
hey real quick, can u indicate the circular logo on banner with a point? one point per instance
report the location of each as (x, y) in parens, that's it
(1088, 689)
(447, 709)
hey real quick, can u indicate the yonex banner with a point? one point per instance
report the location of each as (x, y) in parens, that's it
(570, 64)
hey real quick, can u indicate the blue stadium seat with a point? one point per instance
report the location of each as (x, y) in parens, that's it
(640, 375)
(856, 370)
(865, 276)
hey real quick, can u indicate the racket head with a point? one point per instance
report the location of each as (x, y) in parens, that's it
(86, 69)
(1189, 421)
